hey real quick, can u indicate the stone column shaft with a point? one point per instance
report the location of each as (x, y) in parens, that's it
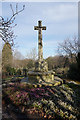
(40, 46)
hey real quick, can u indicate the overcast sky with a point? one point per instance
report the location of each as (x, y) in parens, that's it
(60, 18)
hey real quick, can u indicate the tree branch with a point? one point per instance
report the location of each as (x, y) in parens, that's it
(6, 32)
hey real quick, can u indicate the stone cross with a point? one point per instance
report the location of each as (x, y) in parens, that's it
(40, 46)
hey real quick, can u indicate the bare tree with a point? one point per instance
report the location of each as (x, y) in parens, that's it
(6, 25)
(69, 47)
(17, 55)
(32, 54)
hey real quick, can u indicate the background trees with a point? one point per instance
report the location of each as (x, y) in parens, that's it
(71, 47)
(7, 58)
(7, 35)
(32, 54)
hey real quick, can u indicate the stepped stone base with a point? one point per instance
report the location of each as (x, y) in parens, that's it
(40, 77)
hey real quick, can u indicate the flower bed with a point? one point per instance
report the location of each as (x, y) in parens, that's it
(45, 102)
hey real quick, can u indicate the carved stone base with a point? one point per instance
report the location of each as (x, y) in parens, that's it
(41, 66)
(40, 77)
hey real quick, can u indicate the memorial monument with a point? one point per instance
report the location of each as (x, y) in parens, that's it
(41, 73)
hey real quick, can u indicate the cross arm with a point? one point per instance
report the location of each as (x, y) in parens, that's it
(36, 28)
(44, 28)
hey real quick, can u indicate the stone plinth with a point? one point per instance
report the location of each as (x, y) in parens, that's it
(40, 77)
